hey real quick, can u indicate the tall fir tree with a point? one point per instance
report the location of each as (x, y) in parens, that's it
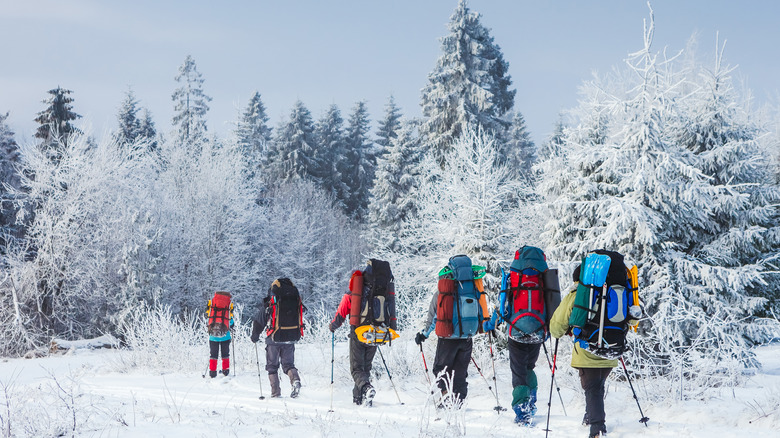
(469, 85)
(394, 193)
(147, 130)
(359, 166)
(389, 125)
(190, 104)
(9, 179)
(519, 151)
(293, 153)
(329, 132)
(625, 181)
(253, 133)
(55, 128)
(127, 118)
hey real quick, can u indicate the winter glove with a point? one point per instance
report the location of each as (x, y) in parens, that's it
(331, 328)
(488, 326)
(420, 338)
(254, 338)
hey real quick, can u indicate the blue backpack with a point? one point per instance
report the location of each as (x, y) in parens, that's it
(460, 308)
(600, 314)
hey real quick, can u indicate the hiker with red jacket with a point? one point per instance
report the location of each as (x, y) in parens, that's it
(281, 318)
(219, 311)
(361, 356)
(370, 306)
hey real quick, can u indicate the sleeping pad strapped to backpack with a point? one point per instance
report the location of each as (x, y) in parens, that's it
(461, 306)
(606, 300)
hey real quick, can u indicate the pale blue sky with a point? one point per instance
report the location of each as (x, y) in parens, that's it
(325, 52)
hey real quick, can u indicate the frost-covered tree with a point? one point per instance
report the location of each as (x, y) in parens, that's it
(147, 131)
(471, 206)
(470, 84)
(394, 193)
(190, 104)
(294, 152)
(519, 151)
(329, 131)
(253, 133)
(129, 125)
(389, 125)
(359, 166)
(55, 127)
(638, 173)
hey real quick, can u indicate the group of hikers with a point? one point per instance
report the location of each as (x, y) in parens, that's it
(599, 309)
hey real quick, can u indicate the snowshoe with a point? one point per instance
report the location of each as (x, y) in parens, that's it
(375, 335)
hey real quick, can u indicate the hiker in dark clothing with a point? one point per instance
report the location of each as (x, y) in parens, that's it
(276, 353)
(361, 356)
(453, 355)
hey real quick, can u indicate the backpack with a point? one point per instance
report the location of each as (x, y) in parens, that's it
(372, 294)
(461, 306)
(607, 294)
(532, 295)
(219, 311)
(285, 311)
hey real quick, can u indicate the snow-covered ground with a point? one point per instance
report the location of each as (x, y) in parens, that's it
(96, 391)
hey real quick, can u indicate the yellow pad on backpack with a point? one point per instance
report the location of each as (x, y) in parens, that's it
(373, 335)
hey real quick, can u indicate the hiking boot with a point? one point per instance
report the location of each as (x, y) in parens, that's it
(357, 400)
(601, 433)
(276, 389)
(533, 402)
(523, 413)
(212, 374)
(295, 382)
(226, 371)
(368, 394)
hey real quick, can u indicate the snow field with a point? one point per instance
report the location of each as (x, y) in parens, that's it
(91, 389)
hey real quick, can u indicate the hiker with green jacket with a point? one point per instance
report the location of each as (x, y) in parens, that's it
(593, 370)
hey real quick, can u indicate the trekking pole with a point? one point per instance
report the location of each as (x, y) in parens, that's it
(557, 388)
(427, 377)
(259, 377)
(643, 419)
(480, 373)
(498, 407)
(207, 370)
(235, 355)
(388, 374)
(549, 401)
(332, 360)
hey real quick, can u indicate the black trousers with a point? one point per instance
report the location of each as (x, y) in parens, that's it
(522, 358)
(454, 355)
(215, 347)
(361, 358)
(279, 354)
(593, 381)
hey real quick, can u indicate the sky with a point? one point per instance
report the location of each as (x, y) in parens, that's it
(341, 52)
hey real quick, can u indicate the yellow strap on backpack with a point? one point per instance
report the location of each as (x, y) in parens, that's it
(633, 278)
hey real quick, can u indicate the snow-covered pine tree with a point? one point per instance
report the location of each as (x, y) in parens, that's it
(388, 126)
(253, 133)
(190, 105)
(147, 130)
(329, 131)
(519, 151)
(9, 179)
(294, 151)
(470, 84)
(360, 163)
(743, 236)
(394, 193)
(129, 125)
(55, 127)
(624, 182)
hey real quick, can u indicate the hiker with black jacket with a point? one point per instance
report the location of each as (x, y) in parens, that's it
(280, 336)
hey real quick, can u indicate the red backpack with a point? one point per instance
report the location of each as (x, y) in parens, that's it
(219, 311)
